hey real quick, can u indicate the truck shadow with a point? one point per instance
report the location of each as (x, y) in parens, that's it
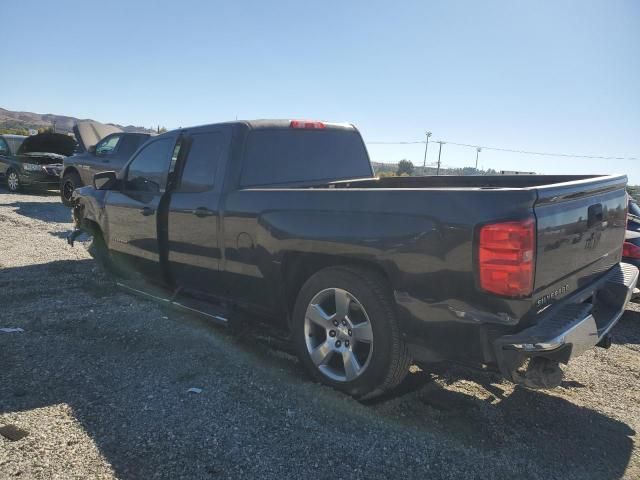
(52, 211)
(627, 330)
(124, 366)
(571, 440)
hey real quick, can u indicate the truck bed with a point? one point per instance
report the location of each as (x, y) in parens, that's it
(430, 224)
(478, 181)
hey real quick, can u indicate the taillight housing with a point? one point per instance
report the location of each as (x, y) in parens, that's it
(506, 257)
(629, 250)
(308, 124)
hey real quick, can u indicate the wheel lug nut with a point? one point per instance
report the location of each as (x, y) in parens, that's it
(344, 322)
(346, 343)
(335, 322)
(338, 343)
(350, 332)
(332, 333)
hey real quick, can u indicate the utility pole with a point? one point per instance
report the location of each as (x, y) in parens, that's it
(478, 150)
(439, 153)
(426, 147)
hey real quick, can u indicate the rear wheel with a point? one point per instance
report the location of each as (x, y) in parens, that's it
(346, 332)
(13, 180)
(70, 181)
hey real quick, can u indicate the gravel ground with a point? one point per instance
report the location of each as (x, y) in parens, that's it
(98, 384)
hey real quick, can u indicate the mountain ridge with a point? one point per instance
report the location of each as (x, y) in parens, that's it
(10, 119)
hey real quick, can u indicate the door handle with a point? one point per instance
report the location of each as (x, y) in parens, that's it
(203, 212)
(146, 211)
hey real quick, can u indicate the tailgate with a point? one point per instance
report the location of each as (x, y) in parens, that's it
(581, 227)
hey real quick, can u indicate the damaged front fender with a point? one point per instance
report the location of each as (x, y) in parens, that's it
(88, 212)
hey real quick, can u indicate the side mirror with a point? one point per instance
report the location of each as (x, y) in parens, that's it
(92, 149)
(104, 180)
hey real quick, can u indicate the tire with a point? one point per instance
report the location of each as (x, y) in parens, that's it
(70, 181)
(13, 181)
(369, 332)
(100, 253)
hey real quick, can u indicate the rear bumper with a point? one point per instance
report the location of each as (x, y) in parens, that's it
(574, 328)
(632, 261)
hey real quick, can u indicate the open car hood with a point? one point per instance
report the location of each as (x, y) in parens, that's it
(57, 143)
(88, 133)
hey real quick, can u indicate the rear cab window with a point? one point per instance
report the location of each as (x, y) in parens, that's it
(203, 157)
(275, 156)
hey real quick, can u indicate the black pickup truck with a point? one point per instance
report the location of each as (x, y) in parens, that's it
(286, 219)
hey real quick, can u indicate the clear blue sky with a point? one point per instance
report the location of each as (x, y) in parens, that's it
(556, 76)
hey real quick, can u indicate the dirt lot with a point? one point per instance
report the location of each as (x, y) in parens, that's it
(98, 381)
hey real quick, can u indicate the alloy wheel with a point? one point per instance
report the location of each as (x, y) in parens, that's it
(67, 189)
(338, 335)
(13, 181)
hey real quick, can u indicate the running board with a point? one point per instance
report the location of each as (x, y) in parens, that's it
(188, 304)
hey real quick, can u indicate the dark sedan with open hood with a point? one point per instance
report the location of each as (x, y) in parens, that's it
(37, 162)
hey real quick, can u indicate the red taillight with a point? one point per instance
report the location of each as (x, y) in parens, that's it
(306, 124)
(506, 256)
(629, 250)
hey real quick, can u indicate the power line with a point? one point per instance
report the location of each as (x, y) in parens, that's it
(499, 149)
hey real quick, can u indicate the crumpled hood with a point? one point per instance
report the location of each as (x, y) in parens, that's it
(88, 132)
(57, 143)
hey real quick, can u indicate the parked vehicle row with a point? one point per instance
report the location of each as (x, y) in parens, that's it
(34, 161)
(101, 147)
(55, 160)
(286, 219)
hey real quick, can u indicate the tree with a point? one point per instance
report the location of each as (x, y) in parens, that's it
(386, 174)
(14, 131)
(405, 167)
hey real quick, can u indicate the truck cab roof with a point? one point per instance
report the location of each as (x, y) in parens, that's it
(264, 124)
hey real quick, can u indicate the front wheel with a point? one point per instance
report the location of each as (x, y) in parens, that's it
(70, 181)
(13, 181)
(346, 332)
(100, 252)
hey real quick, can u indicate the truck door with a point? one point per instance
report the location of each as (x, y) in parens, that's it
(132, 212)
(194, 211)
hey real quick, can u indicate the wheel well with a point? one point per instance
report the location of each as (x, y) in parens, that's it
(299, 267)
(71, 170)
(92, 227)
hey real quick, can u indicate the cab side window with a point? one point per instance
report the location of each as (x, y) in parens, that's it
(4, 148)
(108, 146)
(148, 170)
(202, 161)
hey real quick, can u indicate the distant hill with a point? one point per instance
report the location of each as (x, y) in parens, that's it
(63, 123)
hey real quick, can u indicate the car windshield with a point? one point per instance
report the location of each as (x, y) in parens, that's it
(14, 142)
